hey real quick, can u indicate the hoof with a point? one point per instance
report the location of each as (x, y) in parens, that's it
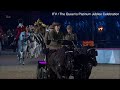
(23, 63)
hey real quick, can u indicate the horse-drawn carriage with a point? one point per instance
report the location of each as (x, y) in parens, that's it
(69, 60)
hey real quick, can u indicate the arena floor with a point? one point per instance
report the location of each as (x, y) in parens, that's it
(9, 69)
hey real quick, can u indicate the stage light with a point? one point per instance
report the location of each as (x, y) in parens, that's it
(100, 29)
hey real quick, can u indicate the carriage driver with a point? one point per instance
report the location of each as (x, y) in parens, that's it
(55, 36)
(47, 36)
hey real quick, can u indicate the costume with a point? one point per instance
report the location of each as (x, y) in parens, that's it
(40, 27)
(20, 28)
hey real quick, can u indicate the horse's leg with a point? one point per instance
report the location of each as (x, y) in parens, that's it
(20, 57)
(89, 69)
(36, 50)
(33, 50)
(23, 58)
(52, 74)
(56, 72)
(31, 53)
(24, 53)
(58, 75)
(67, 74)
(19, 51)
(27, 52)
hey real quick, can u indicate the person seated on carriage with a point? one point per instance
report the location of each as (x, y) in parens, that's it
(47, 35)
(70, 36)
(55, 36)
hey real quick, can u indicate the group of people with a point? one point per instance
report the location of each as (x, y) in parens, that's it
(27, 42)
(54, 35)
(51, 35)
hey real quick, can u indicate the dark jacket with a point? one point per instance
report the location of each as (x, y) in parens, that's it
(70, 37)
(47, 38)
(55, 38)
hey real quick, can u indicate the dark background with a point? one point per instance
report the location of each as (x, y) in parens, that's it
(30, 11)
(86, 27)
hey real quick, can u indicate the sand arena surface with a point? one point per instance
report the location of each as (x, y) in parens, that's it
(9, 69)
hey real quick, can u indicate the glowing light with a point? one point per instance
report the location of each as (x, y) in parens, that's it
(100, 29)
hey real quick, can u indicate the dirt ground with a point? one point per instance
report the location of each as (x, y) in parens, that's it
(104, 71)
(9, 69)
(29, 72)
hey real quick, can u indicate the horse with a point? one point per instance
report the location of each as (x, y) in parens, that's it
(22, 46)
(60, 63)
(35, 45)
(36, 42)
(84, 60)
(68, 61)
